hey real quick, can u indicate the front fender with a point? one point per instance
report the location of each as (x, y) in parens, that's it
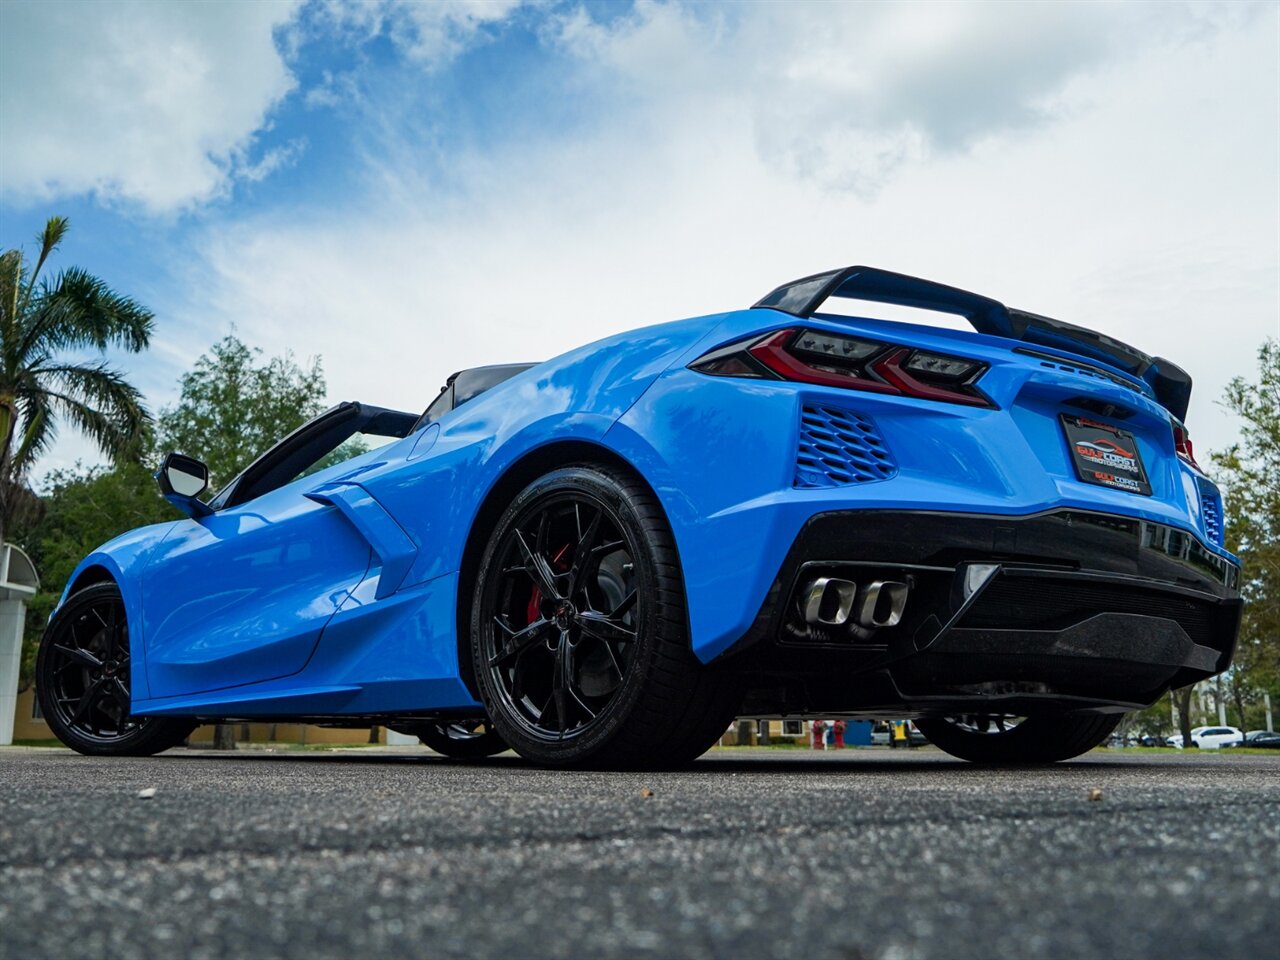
(124, 559)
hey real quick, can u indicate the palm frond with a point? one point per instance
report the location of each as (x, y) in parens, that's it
(94, 424)
(38, 431)
(78, 311)
(55, 229)
(99, 401)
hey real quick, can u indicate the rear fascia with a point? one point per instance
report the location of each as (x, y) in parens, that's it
(1082, 611)
(720, 453)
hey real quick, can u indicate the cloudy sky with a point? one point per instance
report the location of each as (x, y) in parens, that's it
(405, 189)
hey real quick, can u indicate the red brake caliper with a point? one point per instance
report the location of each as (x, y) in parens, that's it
(535, 598)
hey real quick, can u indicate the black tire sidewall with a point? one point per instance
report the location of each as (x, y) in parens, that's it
(152, 734)
(1036, 740)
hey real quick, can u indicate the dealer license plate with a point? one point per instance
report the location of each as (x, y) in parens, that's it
(1106, 455)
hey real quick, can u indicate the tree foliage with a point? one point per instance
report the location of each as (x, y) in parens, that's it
(47, 326)
(233, 408)
(1249, 472)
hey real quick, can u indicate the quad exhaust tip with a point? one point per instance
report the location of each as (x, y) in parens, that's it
(831, 602)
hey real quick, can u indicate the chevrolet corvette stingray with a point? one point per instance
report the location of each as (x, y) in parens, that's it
(602, 559)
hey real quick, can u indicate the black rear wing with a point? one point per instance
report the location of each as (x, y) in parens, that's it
(802, 298)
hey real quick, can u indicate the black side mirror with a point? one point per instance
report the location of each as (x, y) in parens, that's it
(182, 479)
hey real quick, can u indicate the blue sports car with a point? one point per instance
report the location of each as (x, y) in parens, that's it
(602, 559)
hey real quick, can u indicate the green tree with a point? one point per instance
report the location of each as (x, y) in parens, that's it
(1249, 473)
(46, 328)
(233, 408)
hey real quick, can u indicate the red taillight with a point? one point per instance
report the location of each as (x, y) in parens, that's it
(834, 360)
(836, 371)
(1182, 445)
(893, 369)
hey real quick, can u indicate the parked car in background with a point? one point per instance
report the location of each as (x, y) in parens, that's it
(1210, 738)
(1261, 739)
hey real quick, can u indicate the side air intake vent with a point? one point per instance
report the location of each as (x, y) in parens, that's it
(1211, 511)
(838, 447)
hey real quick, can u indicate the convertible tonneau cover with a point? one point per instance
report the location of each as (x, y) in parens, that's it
(802, 298)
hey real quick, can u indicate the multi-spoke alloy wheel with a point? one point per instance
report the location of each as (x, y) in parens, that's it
(83, 676)
(578, 629)
(1003, 738)
(565, 615)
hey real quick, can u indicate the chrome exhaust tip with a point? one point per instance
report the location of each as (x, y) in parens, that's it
(881, 604)
(829, 601)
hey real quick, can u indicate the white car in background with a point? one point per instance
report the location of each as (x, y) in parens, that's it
(1209, 738)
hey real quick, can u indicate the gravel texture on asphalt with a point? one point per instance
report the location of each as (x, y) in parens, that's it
(750, 853)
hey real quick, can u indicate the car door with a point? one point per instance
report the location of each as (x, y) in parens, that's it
(242, 595)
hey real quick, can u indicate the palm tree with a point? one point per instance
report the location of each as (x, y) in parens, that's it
(46, 328)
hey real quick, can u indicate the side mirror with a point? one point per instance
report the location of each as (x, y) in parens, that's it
(182, 479)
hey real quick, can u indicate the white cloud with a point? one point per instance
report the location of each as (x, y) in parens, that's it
(846, 93)
(1133, 186)
(1147, 208)
(429, 32)
(153, 104)
(271, 161)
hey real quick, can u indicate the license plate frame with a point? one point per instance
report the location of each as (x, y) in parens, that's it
(1105, 455)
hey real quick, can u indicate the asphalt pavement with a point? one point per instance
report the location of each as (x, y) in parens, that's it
(750, 853)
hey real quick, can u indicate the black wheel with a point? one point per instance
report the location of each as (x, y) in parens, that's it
(82, 680)
(578, 631)
(1000, 738)
(462, 739)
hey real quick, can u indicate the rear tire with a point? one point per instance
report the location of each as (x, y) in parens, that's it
(83, 676)
(579, 636)
(1035, 740)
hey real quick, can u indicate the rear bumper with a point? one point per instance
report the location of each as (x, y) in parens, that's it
(1073, 609)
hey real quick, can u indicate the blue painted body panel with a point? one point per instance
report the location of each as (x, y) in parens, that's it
(242, 595)
(338, 593)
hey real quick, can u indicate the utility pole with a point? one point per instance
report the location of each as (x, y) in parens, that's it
(1266, 700)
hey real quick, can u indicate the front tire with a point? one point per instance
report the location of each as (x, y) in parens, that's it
(579, 640)
(83, 677)
(996, 739)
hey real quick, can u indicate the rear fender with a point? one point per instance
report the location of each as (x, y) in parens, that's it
(720, 492)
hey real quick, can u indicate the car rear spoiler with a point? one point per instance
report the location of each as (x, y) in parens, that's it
(1170, 384)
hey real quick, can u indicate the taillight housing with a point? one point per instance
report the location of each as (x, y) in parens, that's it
(804, 355)
(1182, 445)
